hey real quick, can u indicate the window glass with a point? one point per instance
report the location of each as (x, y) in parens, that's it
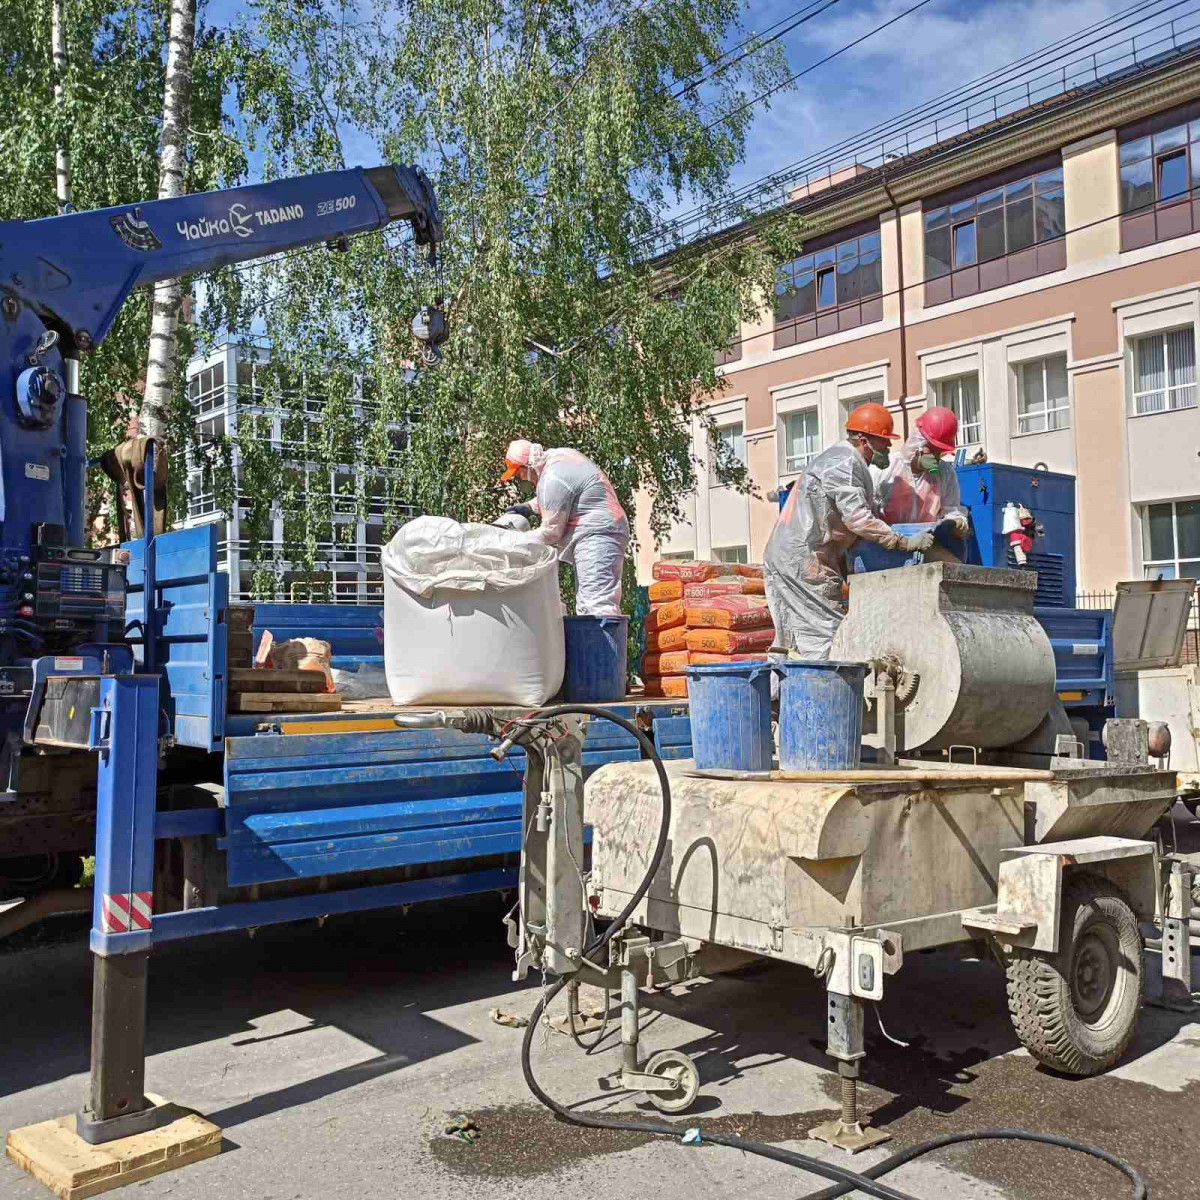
(732, 439)
(847, 249)
(1196, 164)
(1149, 374)
(801, 439)
(1019, 190)
(961, 395)
(964, 208)
(1032, 403)
(1019, 222)
(1137, 185)
(990, 233)
(936, 218)
(826, 288)
(1189, 570)
(937, 252)
(1187, 525)
(1172, 175)
(1168, 139)
(730, 554)
(825, 258)
(804, 301)
(1158, 533)
(868, 243)
(870, 274)
(964, 244)
(1050, 215)
(1161, 571)
(1048, 180)
(1132, 151)
(848, 282)
(218, 374)
(989, 200)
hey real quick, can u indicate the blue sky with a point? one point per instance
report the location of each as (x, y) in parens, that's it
(940, 47)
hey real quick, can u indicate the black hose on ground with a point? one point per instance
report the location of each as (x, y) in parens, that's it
(846, 1181)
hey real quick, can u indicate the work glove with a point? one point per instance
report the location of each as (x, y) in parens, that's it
(918, 541)
(521, 510)
(959, 525)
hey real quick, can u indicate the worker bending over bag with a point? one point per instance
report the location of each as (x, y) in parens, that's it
(919, 486)
(830, 507)
(581, 518)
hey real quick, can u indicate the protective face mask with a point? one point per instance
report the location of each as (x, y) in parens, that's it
(880, 458)
(929, 464)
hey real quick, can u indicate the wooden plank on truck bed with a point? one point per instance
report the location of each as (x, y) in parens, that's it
(283, 702)
(239, 648)
(249, 679)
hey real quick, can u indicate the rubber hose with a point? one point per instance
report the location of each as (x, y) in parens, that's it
(846, 1180)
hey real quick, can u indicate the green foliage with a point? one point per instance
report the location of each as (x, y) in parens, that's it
(555, 143)
(110, 120)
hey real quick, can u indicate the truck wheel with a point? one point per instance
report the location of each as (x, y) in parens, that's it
(677, 1066)
(1192, 804)
(1076, 1010)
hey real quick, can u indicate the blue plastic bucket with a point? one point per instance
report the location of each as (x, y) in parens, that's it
(730, 706)
(820, 715)
(597, 659)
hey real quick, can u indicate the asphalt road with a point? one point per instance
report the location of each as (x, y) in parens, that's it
(333, 1056)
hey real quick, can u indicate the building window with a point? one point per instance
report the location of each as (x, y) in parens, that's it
(1042, 401)
(1160, 172)
(801, 439)
(1001, 231)
(730, 554)
(206, 389)
(732, 439)
(1164, 371)
(678, 556)
(1171, 540)
(837, 285)
(732, 353)
(848, 406)
(961, 396)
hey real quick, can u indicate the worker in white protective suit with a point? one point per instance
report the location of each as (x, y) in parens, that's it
(920, 484)
(581, 518)
(830, 507)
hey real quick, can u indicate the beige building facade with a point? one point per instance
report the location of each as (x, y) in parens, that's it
(1041, 276)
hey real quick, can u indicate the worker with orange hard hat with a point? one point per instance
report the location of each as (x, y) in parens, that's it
(581, 518)
(830, 507)
(920, 484)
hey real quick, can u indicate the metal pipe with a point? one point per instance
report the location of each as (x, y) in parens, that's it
(629, 1019)
(901, 298)
(44, 904)
(150, 564)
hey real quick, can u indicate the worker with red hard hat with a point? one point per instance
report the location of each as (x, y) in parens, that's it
(920, 484)
(581, 518)
(830, 507)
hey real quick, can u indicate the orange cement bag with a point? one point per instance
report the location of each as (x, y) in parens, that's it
(689, 572)
(729, 612)
(665, 589)
(706, 660)
(668, 639)
(664, 616)
(729, 641)
(675, 686)
(672, 663)
(733, 585)
(749, 570)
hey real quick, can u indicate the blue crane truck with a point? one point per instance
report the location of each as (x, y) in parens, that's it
(114, 729)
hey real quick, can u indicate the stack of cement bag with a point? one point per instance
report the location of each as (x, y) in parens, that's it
(702, 612)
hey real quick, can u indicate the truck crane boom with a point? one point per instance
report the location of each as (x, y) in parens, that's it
(63, 281)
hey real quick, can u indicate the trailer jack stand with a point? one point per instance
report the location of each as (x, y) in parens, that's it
(846, 1045)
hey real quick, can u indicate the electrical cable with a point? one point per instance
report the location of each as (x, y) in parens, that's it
(847, 1181)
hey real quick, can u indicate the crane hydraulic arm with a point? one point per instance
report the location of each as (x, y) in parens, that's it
(62, 283)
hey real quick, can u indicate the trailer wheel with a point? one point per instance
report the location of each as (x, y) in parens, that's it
(678, 1066)
(1192, 804)
(1076, 1010)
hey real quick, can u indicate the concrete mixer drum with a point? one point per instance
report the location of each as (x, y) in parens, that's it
(971, 663)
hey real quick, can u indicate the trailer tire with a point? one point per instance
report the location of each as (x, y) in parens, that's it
(1076, 1010)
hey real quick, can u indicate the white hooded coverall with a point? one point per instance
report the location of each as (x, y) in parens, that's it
(830, 507)
(906, 497)
(584, 521)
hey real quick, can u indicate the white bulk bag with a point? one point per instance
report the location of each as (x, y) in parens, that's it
(471, 615)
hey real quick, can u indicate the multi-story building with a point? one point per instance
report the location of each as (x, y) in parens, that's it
(222, 388)
(1038, 272)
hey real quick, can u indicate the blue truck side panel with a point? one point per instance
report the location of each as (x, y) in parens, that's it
(305, 805)
(190, 612)
(1083, 654)
(354, 631)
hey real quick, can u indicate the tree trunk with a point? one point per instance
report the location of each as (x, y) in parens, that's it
(58, 51)
(168, 295)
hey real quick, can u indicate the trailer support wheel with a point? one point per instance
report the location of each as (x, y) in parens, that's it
(1075, 1010)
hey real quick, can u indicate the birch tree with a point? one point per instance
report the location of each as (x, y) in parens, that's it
(162, 373)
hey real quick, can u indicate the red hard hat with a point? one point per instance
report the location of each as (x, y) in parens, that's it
(939, 427)
(873, 419)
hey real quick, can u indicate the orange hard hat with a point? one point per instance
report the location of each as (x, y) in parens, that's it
(873, 419)
(939, 427)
